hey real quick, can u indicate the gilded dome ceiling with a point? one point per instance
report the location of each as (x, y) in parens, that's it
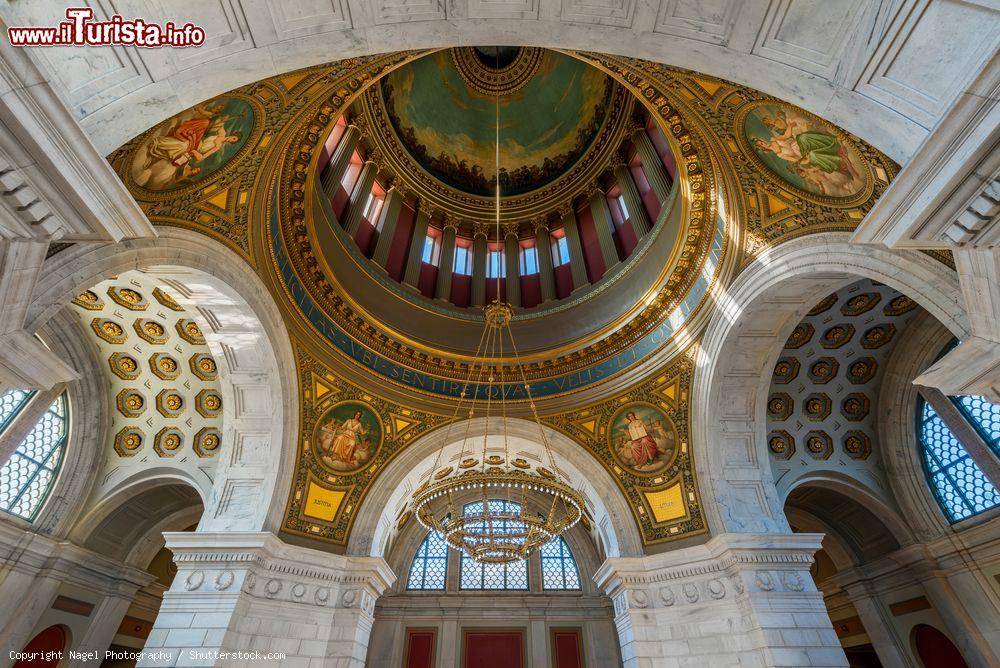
(443, 109)
(432, 123)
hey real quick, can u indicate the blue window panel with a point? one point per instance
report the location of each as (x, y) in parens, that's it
(11, 403)
(961, 488)
(430, 565)
(26, 478)
(510, 576)
(984, 416)
(559, 569)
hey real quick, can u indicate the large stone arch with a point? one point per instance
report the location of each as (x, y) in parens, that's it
(898, 402)
(248, 339)
(850, 80)
(374, 524)
(744, 339)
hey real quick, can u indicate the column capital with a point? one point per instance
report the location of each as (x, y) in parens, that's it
(481, 229)
(447, 224)
(540, 223)
(511, 229)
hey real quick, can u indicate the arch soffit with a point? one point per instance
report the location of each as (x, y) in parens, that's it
(743, 340)
(836, 547)
(898, 398)
(390, 490)
(248, 339)
(851, 488)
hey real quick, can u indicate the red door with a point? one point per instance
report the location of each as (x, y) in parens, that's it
(419, 648)
(493, 649)
(44, 650)
(567, 651)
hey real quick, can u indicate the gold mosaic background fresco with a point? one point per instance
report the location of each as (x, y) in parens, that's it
(292, 116)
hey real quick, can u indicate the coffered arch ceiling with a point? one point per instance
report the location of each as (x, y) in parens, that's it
(738, 196)
(872, 67)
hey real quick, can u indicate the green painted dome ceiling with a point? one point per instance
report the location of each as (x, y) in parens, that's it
(442, 109)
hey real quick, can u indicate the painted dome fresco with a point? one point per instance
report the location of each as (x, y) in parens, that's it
(442, 109)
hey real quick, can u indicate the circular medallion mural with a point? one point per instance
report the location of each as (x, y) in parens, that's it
(642, 438)
(193, 145)
(552, 107)
(347, 436)
(804, 152)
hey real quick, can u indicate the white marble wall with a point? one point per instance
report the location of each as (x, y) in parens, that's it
(738, 600)
(877, 69)
(250, 592)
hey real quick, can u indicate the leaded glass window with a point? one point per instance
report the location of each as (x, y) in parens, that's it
(11, 403)
(27, 477)
(430, 565)
(957, 481)
(984, 416)
(512, 575)
(559, 569)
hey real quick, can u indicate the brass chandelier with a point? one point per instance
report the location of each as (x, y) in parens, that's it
(489, 507)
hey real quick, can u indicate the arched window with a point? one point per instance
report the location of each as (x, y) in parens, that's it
(11, 404)
(513, 576)
(957, 481)
(27, 476)
(984, 416)
(559, 569)
(430, 565)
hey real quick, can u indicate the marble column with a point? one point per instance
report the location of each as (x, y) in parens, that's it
(637, 215)
(334, 171)
(356, 209)
(739, 599)
(242, 592)
(388, 218)
(34, 568)
(652, 165)
(414, 257)
(543, 245)
(602, 226)
(479, 247)
(577, 264)
(447, 266)
(512, 258)
(875, 618)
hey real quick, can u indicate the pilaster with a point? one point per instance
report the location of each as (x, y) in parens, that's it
(740, 599)
(602, 226)
(413, 259)
(388, 218)
(637, 215)
(576, 261)
(543, 246)
(479, 249)
(250, 592)
(447, 266)
(334, 171)
(652, 165)
(355, 210)
(511, 257)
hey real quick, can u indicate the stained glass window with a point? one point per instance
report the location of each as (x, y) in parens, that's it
(558, 566)
(430, 565)
(958, 483)
(513, 575)
(985, 417)
(27, 477)
(11, 403)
